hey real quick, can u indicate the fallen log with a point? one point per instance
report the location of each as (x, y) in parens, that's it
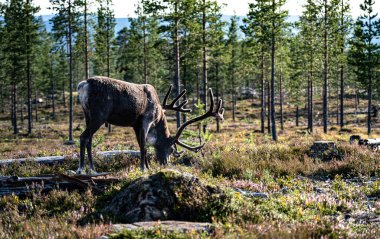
(373, 144)
(40, 160)
(24, 186)
(50, 160)
(108, 154)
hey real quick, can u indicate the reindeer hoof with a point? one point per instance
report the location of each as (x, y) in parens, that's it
(92, 172)
(80, 171)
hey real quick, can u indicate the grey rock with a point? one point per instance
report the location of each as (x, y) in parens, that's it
(251, 194)
(167, 195)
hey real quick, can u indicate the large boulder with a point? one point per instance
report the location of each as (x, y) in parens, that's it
(246, 92)
(167, 195)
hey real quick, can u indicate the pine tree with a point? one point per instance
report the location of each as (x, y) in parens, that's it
(136, 63)
(255, 29)
(233, 62)
(215, 49)
(309, 32)
(296, 65)
(344, 28)
(364, 52)
(3, 82)
(19, 38)
(31, 36)
(104, 32)
(277, 19)
(217, 58)
(172, 12)
(65, 24)
(42, 59)
(330, 26)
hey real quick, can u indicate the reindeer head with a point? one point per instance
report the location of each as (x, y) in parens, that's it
(170, 147)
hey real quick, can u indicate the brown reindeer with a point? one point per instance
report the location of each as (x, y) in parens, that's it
(106, 100)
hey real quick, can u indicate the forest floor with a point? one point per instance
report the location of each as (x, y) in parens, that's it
(304, 197)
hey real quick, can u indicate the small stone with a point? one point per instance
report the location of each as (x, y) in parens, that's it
(318, 190)
(103, 237)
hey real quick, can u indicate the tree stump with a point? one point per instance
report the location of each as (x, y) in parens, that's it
(324, 150)
(375, 110)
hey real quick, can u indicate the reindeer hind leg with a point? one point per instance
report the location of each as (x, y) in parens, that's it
(83, 142)
(86, 143)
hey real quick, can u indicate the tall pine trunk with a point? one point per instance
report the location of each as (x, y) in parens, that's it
(342, 72)
(177, 84)
(325, 71)
(233, 106)
(28, 77)
(356, 103)
(205, 83)
(217, 95)
(308, 103)
(262, 93)
(184, 79)
(108, 42)
(52, 83)
(281, 104)
(14, 106)
(369, 127)
(145, 54)
(269, 106)
(342, 96)
(184, 86)
(272, 103)
(21, 112)
(337, 107)
(297, 116)
(64, 95)
(70, 141)
(310, 93)
(36, 106)
(1, 97)
(86, 70)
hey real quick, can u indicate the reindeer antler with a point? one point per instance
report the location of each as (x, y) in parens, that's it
(218, 113)
(172, 106)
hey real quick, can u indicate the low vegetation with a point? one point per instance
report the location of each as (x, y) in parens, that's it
(269, 189)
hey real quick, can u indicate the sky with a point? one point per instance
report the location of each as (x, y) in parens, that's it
(126, 8)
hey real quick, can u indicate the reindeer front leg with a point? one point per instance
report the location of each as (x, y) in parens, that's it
(141, 132)
(91, 169)
(142, 144)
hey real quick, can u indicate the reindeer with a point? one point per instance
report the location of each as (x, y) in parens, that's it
(106, 100)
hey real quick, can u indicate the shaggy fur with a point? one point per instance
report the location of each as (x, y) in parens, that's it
(124, 104)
